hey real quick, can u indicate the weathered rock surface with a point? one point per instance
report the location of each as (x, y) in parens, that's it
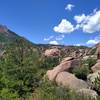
(66, 65)
(68, 80)
(96, 67)
(67, 59)
(52, 52)
(98, 50)
(62, 67)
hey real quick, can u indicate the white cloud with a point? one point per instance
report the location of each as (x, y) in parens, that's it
(89, 23)
(93, 41)
(64, 27)
(93, 23)
(79, 18)
(69, 7)
(54, 42)
(49, 38)
(77, 44)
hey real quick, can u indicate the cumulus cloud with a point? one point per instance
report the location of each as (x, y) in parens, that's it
(79, 18)
(93, 41)
(69, 7)
(53, 42)
(89, 23)
(93, 23)
(64, 27)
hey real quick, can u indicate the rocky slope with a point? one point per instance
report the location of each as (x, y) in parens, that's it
(70, 58)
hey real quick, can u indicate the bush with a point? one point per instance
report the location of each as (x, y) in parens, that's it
(81, 72)
(19, 71)
(97, 84)
(89, 62)
(5, 94)
(49, 91)
(49, 62)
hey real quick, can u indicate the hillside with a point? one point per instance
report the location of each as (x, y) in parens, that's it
(7, 36)
(31, 71)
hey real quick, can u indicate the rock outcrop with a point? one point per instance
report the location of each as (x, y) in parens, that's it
(98, 50)
(68, 80)
(52, 52)
(96, 67)
(67, 64)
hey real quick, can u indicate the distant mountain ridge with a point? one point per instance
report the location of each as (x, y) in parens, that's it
(7, 36)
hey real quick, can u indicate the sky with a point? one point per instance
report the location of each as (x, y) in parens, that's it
(65, 22)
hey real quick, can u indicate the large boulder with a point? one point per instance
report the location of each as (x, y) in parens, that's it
(69, 80)
(88, 92)
(51, 74)
(66, 64)
(96, 67)
(52, 52)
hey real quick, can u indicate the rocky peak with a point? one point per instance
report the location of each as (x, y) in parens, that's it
(3, 29)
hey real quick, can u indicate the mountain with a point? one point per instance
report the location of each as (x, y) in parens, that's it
(24, 64)
(6, 36)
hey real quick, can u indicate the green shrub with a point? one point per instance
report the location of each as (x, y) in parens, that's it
(5, 94)
(97, 84)
(19, 71)
(49, 91)
(89, 62)
(49, 62)
(81, 72)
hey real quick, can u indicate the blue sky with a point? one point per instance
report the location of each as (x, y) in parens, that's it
(69, 22)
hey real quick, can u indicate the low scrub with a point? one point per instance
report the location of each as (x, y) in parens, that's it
(81, 72)
(49, 91)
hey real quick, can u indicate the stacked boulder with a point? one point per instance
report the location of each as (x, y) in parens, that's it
(62, 76)
(66, 65)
